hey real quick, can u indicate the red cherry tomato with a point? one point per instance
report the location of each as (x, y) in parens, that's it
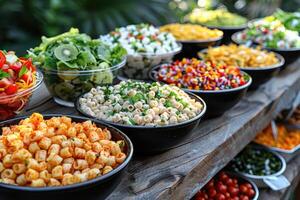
(243, 189)
(251, 193)
(235, 198)
(245, 198)
(229, 182)
(222, 188)
(212, 192)
(223, 177)
(2, 59)
(248, 185)
(227, 195)
(210, 183)
(220, 197)
(12, 89)
(199, 196)
(233, 191)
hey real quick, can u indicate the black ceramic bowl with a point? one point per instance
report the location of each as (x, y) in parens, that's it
(289, 55)
(152, 140)
(95, 189)
(260, 75)
(191, 48)
(228, 31)
(218, 102)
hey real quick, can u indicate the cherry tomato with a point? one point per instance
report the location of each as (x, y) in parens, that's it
(222, 188)
(248, 185)
(199, 196)
(210, 184)
(12, 89)
(220, 197)
(243, 189)
(227, 195)
(233, 191)
(245, 198)
(235, 198)
(212, 192)
(223, 176)
(229, 182)
(2, 59)
(251, 193)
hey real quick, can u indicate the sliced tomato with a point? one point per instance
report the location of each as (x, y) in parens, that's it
(16, 67)
(11, 89)
(5, 82)
(2, 59)
(28, 63)
(27, 77)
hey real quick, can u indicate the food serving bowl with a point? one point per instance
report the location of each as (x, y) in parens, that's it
(12, 105)
(66, 86)
(289, 55)
(268, 180)
(155, 139)
(261, 75)
(97, 188)
(137, 66)
(228, 31)
(192, 47)
(218, 102)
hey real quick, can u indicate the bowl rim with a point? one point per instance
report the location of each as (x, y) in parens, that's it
(81, 184)
(84, 72)
(274, 66)
(203, 91)
(170, 53)
(197, 117)
(281, 171)
(234, 39)
(39, 81)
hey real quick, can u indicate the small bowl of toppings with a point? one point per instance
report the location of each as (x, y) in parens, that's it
(61, 157)
(73, 63)
(260, 64)
(193, 37)
(214, 83)
(146, 46)
(156, 117)
(227, 185)
(272, 35)
(18, 80)
(259, 165)
(220, 19)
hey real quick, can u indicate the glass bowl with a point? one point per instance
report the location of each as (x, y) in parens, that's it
(138, 66)
(66, 86)
(13, 105)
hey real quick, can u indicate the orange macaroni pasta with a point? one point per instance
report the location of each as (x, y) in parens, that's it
(56, 152)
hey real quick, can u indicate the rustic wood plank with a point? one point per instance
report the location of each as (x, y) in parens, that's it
(182, 171)
(292, 173)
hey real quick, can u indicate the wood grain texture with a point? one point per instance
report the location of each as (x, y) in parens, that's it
(182, 171)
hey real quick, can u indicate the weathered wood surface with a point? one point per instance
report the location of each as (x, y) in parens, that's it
(292, 173)
(180, 172)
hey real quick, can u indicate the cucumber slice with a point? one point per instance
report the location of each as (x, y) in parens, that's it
(64, 90)
(66, 52)
(104, 77)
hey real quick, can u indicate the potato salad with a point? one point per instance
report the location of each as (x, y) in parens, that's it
(139, 103)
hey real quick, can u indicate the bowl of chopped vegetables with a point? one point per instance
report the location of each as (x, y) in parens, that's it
(272, 35)
(220, 86)
(146, 46)
(72, 158)
(155, 117)
(18, 80)
(260, 64)
(220, 19)
(73, 63)
(193, 38)
(258, 164)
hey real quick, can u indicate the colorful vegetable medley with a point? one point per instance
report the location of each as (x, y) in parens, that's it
(255, 161)
(73, 63)
(226, 187)
(240, 56)
(286, 139)
(291, 20)
(142, 38)
(17, 78)
(270, 33)
(217, 18)
(198, 75)
(139, 103)
(191, 32)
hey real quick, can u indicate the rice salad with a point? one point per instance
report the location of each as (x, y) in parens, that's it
(140, 103)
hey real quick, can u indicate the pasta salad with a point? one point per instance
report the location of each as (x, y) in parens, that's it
(56, 152)
(139, 103)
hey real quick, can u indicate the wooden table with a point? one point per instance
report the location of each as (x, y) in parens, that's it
(182, 171)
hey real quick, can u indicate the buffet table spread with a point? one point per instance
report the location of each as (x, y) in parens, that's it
(180, 172)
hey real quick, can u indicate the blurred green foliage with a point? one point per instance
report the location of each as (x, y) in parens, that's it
(25, 21)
